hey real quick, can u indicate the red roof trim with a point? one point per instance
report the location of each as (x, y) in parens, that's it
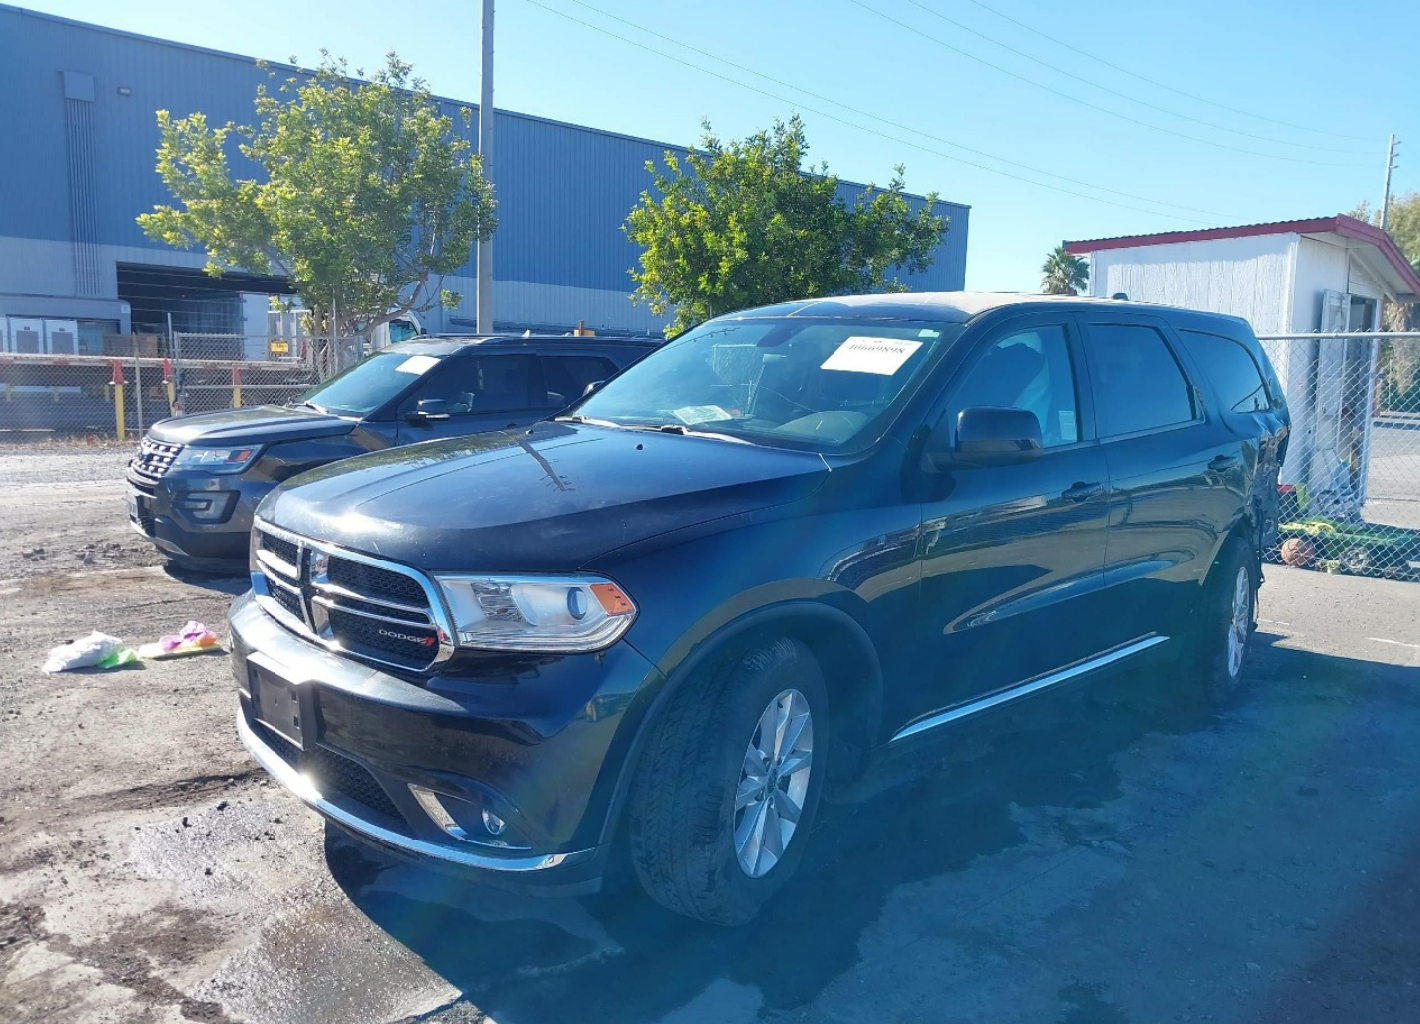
(1347, 227)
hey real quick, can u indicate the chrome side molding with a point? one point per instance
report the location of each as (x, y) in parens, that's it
(1025, 689)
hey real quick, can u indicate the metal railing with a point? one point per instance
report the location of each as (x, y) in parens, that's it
(1351, 480)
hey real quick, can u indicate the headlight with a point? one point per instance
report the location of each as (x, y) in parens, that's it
(216, 460)
(570, 614)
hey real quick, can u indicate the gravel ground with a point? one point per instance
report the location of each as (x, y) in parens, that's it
(63, 510)
(1098, 858)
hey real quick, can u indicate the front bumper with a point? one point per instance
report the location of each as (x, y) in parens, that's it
(539, 745)
(197, 517)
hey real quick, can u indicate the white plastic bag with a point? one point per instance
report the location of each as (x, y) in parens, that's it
(81, 653)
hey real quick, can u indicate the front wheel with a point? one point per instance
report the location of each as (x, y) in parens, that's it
(1226, 622)
(726, 792)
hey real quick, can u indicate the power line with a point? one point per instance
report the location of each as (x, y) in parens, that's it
(887, 121)
(1086, 103)
(871, 131)
(1123, 95)
(1162, 85)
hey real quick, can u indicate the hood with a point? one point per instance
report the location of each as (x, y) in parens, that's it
(260, 425)
(548, 499)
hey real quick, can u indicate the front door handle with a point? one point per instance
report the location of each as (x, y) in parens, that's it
(1222, 462)
(1082, 492)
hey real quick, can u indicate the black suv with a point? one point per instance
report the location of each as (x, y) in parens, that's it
(787, 542)
(196, 480)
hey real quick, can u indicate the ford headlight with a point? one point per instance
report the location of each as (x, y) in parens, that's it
(568, 614)
(216, 460)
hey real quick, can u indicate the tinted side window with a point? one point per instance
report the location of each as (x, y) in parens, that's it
(1028, 370)
(1138, 382)
(1232, 370)
(566, 377)
(482, 383)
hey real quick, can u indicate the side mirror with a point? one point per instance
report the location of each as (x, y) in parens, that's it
(592, 387)
(988, 437)
(428, 410)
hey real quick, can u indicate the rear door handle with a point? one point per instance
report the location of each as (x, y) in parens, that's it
(1222, 462)
(1082, 492)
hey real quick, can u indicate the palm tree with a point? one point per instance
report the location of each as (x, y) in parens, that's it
(1064, 274)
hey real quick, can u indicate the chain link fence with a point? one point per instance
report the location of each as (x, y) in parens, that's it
(1351, 482)
(142, 378)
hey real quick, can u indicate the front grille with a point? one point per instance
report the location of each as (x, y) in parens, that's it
(289, 601)
(282, 549)
(377, 583)
(379, 613)
(409, 646)
(332, 773)
(154, 459)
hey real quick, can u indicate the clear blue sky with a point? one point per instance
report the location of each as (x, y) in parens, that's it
(1303, 62)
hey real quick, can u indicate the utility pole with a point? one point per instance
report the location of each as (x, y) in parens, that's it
(484, 301)
(1385, 198)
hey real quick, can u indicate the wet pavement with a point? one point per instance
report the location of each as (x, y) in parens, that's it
(1099, 857)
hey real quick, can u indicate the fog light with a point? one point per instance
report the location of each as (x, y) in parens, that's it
(494, 824)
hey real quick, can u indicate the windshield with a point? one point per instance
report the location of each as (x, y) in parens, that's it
(369, 384)
(808, 383)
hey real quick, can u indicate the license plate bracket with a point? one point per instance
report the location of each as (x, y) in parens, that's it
(284, 707)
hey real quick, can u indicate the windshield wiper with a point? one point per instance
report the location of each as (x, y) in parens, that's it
(684, 431)
(311, 405)
(589, 421)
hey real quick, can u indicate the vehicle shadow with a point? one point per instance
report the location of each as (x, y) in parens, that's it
(618, 957)
(233, 582)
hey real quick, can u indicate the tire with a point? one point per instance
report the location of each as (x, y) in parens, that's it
(1223, 634)
(684, 822)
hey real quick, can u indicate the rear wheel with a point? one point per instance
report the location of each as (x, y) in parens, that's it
(725, 794)
(1224, 630)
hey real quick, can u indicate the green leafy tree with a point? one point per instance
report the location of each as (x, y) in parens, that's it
(1399, 357)
(1064, 274)
(744, 223)
(365, 198)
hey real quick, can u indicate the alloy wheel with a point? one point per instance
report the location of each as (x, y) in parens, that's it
(774, 781)
(1240, 621)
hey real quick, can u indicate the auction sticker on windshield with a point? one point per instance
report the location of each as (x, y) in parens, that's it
(417, 364)
(701, 414)
(883, 356)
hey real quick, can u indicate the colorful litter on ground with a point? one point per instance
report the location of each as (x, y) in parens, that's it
(101, 651)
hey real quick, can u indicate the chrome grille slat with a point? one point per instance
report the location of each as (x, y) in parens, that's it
(348, 602)
(325, 602)
(281, 568)
(335, 591)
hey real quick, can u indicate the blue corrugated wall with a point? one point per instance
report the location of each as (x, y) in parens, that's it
(564, 191)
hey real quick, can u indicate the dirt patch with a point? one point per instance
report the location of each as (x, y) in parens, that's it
(129, 961)
(63, 506)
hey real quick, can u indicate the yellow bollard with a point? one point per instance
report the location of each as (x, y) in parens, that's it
(236, 386)
(118, 400)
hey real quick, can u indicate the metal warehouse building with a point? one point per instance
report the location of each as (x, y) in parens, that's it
(78, 133)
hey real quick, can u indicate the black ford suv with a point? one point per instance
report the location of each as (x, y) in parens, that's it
(196, 480)
(791, 540)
